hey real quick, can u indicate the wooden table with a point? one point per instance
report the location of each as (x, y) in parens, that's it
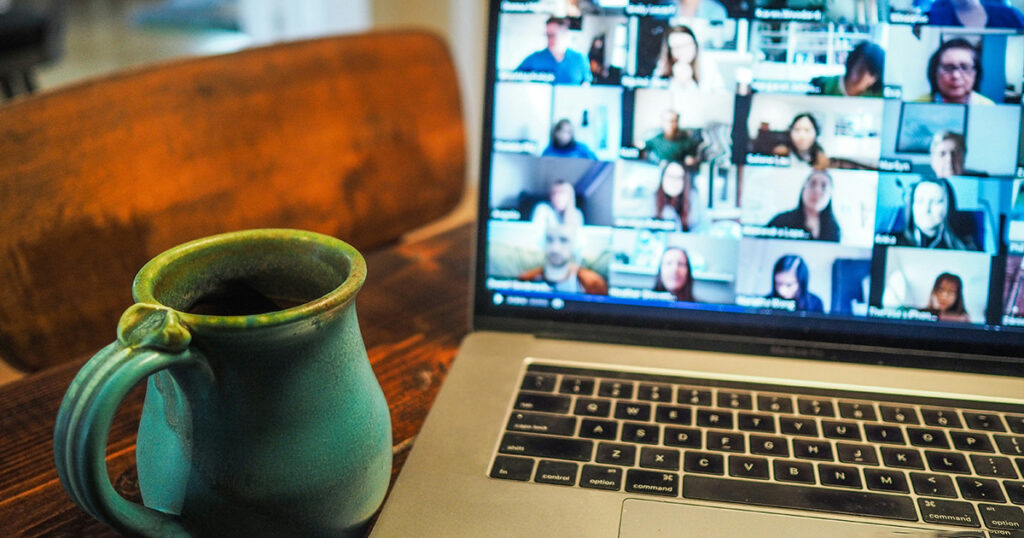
(413, 311)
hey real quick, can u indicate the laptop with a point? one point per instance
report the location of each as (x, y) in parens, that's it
(744, 268)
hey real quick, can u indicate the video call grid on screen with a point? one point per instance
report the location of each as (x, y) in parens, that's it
(762, 157)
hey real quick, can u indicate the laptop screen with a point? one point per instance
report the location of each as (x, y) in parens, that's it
(841, 172)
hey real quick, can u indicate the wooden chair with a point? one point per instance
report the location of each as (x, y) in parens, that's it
(360, 137)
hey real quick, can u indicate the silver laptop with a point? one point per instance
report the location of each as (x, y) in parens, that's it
(744, 268)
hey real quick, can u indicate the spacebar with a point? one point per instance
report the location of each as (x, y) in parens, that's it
(800, 498)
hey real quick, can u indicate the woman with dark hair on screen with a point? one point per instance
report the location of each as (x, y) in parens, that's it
(930, 208)
(789, 282)
(865, 66)
(679, 62)
(947, 298)
(564, 144)
(675, 199)
(954, 73)
(675, 275)
(813, 214)
(802, 143)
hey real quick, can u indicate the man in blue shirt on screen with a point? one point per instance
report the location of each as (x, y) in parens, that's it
(568, 66)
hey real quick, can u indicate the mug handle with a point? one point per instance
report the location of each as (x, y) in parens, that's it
(150, 338)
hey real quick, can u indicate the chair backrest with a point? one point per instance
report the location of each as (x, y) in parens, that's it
(360, 137)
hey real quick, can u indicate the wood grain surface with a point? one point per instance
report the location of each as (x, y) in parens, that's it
(360, 137)
(413, 313)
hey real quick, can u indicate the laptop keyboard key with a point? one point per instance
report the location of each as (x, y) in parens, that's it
(853, 453)
(839, 501)
(599, 429)
(984, 421)
(1016, 423)
(857, 411)
(839, 476)
(815, 407)
(600, 477)
(775, 404)
(942, 512)
(538, 423)
(672, 414)
(980, 489)
(592, 408)
(703, 463)
(947, 462)
(725, 442)
(641, 433)
(756, 423)
(886, 480)
(933, 485)
(884, 434)
(735, 400)
(807, 449)
(686, 395)
(556, 472)
(798, 426)
(944, 418)
(927, 438)
(614, 454)
(903, 458)
(1004, 518)
(971, 441)
(793, 471)
(769, 446)
(659, 458)
(577, 385)
(654, 393)
(898, 415)
(633, 411)
(747, 467)
(543, 402)
(710, 418)
(1010, 445)
(546, 447)
(539, 382)
(848, 431)
(652, 482)
(1015, 491)
(994, 466)
(616, 389)
(512, 468)
(683, 437)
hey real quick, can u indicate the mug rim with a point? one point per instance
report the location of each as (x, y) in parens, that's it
(143, 287)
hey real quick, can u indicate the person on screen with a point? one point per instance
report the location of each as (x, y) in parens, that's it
(560, 207)
(701, 9)
(675, 200)
(564, 144)
(813, 214)
(679, 62)
(672, 144)
(802, 143)
(789, 281)
(675, 275)
(947, 298)
(863, 78)
(954, 72)
(561, 269)
(568, 66)
(948, 152)
(975, 14)
(932, 203)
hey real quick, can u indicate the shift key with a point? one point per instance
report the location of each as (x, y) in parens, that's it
(546, 447)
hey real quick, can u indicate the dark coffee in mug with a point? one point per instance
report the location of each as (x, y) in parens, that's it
(239, 297)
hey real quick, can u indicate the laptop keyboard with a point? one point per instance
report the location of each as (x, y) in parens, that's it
(912, 459)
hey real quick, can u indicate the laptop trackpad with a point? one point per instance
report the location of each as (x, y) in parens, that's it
(654, 519)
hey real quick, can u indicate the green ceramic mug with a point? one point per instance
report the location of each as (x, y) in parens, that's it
(262, 414)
